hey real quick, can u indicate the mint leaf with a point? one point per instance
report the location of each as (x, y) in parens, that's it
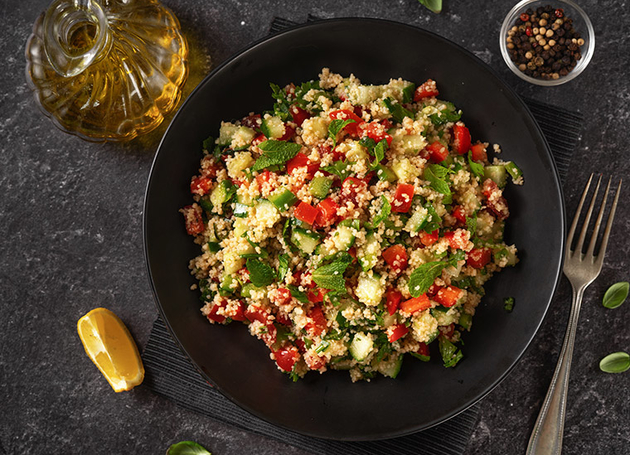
(283, 266)
(187, 448)
(276, 152)
(450, 114)
(208, 143)
(368, 143)
(386, 210)
(471, 223)
(340, 169)
(459, 255)
(330, 276)
(336, 126)
(297, 294)
(379, 153)
(397, 111)
(616, 295)
(476, 168)
(260, 273)
(434, 174)
(408, 93)
(423, 277)
(450, 354)
(434, 220)
(433, 5)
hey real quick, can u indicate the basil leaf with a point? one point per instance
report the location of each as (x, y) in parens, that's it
(616, 295)
(336, 126)
(423, 277)
(339, 168)
(450, 354)
(476, 168)
(283, 266)
(330, 276)
(408, 93)
(432, 173)
(397, 111)
(433, 5)
(276, 152)
(297, 294)
(187, 448)
(260, 273)
(617, 362)
(386, 210)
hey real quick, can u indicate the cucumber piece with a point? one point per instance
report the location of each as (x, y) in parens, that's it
(385, 174)
(356, 224)
(369, 289)
(369, 253)
(390, 367)
(320, 186)
(356, 152)
(226, 133)
(214, 247)
(240, 227)
(322, 250)
(238, 163)
(305, 240)
(241, 210)
(343, 238)
(361, 346)
(405, 171)
(272, 127)
(412, 143)
(246, 291)
(497, 173)
(418, 220)
(283, 198)
(229, 283)
(267, 213)
(512, 169)
(244, 199)
(465, 320)
(222, 193)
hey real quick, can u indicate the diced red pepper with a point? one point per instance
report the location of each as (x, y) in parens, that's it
(496, 203)
(479, 257)
(392, 298)
(270, 335)
(345, 114)
(200, 185)
(252, 121)
(433, 289)
(448, 296)
(316, 295)
(461, 142)
(239, 313)
(396, 332)
(437, 151)
(258, 139)
(458, 240)
(301, 160)
(264, 177)
(478, 152)
(286, 357)
(299, 114)
(416, 304)
(318, 324)
(423, 349)
(327, 212)
(306, 212)
(460, 214)
(282, 296)
(193, 219)
(352, 186)
(426, 90)
(289, 131)
(375, 131)
(313, 361)
(283, 319)
(396, 257)
(403, 198)
(255, 313)
(213, 314)
(429, 239)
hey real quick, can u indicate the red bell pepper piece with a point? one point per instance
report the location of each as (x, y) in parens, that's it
(396, 257)
(327, 212)
(392, 298)
(415, 304)
(461, 142)
(426, 90)
(403, 198)
(306, 212)
(478, 152)
(437, 151)
(286, 357)
(448, 296)
(479, 257)
(396, 332)
(193, 219)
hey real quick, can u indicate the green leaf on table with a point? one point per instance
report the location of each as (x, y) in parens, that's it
(187, 448)
(336, 126)
(260, 273)
(433, 5)
(617, 362)
(423, 277)
(275, 153)
(616, 295)
(508, 304)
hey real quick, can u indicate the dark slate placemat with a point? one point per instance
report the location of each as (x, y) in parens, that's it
(169, 373)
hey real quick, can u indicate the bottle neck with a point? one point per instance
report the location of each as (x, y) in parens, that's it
(76, 34)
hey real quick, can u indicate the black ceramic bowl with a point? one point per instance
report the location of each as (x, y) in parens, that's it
(424, 394)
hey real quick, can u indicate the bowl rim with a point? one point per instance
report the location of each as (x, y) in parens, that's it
(556, 278)
(582, 63)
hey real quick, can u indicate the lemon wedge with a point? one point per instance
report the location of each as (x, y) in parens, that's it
(112, 349)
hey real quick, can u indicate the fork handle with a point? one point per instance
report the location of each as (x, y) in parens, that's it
(546, 438)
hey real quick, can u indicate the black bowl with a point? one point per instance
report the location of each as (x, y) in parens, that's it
(424, 394)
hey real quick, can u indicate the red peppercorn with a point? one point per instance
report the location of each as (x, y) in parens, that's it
(528, 31)
(559, 13)
(524, 17)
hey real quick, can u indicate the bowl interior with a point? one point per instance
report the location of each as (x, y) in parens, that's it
(424, 394)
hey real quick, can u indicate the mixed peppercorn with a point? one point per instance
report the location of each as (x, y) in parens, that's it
(544, 44)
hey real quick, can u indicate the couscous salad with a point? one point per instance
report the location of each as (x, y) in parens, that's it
(349, 225)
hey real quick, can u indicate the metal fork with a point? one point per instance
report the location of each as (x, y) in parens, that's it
(581, 270)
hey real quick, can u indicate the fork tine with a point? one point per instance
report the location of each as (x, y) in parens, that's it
(577, 214)
(602, 249)
(591, 245)
(580, 243)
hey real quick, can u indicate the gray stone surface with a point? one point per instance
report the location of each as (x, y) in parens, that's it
(71, 241)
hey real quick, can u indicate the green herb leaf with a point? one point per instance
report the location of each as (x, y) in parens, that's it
(283, 266)
(330, 276)
(424, 358)
(340, 169)
(408, 93)
(471, 224)
(616, 295)
(435, 174)
(508, 304)
(368, 143)
(297, 294)
(386, 210)
(187, 448)
(336, 126)
(457, 256)
(379, 153)
(276, 152)
(398, 112)
(208, 143)
(476, 168)
(449, 114)
(260, 273)
(281, 107)
(434, 220)
(322, 347)
(617, 362)
(423, 277)
(433, 5)
(450, 354)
